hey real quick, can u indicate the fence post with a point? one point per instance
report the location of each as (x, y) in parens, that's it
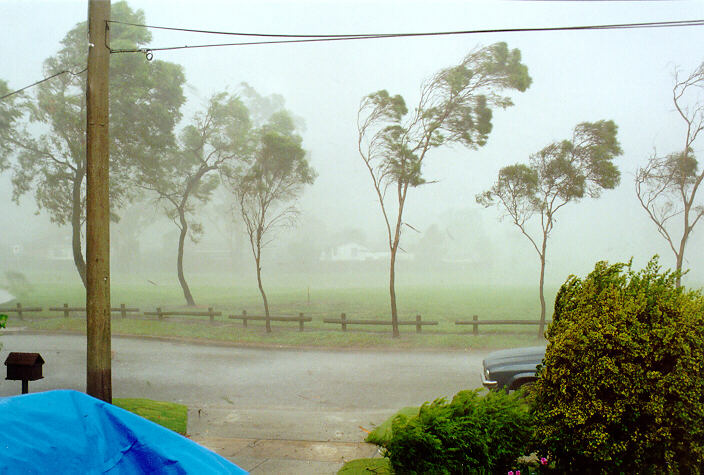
(418, 325)
(300, 322)
(65, 310)
(244, 320)
(210, 314)
(123, 312)
(475, 327)
(343, 322)
(158, 313)
(19, 311)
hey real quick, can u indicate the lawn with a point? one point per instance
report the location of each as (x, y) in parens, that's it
(168, 414)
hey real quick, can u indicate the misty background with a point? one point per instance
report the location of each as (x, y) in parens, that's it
(620, 75)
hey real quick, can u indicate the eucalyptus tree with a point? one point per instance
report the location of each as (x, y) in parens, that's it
(266, 190)
(560, 173)
(186, 176)
(455, 107)
(45, 136)
(667, 186)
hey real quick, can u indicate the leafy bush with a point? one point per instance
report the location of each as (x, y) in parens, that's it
(382, 433)
(468, 435)
(622, 386)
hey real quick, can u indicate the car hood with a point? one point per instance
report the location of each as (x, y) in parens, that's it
(517, 356)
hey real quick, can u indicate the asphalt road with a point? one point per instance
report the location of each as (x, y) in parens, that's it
(259, 393)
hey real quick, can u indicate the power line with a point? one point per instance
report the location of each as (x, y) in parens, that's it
(396, 35)
(346, 37)
(43, 80)
(292, 38)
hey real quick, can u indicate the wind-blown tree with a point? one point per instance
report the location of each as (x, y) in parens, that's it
(47, 143)
(265, 191)
(455, 107)
(560, 173)
(667, 186)
(185, 176)
(9, 114)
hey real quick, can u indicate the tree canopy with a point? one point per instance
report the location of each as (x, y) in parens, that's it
(45, 137)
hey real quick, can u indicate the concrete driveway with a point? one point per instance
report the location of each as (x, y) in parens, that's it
(252, 395)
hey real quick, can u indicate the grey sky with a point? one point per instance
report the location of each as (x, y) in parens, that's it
(624, 75)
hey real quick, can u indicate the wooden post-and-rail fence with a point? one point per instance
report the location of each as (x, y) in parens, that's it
(19, 309)
(262, 318)
(343, 321)
(122, 310)
(475, 322)
(161, 314)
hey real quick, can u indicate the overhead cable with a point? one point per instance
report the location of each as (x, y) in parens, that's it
(656, 24)
(299, 38)
(43, 80)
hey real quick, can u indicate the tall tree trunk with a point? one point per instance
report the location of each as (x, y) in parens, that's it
(77, 207)
(261, 290)
(541, 326)
(680, 260)
(392, 293)
(179, 261)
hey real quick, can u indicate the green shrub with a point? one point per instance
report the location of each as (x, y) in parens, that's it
(471, 434)
(382, 433)
(622, 386)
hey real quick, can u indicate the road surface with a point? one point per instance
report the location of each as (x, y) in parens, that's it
(259, 393)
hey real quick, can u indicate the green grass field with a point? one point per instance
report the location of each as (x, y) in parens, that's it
(442, 303)
(168, 414)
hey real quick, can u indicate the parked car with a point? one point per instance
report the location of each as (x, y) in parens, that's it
(511, 369)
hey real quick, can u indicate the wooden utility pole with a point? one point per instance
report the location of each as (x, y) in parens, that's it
(98, 364)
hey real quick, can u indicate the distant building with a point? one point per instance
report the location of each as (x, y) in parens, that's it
(354, 252)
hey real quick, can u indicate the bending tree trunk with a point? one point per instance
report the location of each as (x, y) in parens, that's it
(261, 290)
(541, 327)
(680, 257)
(78, 258)
(179, 261)
(392, 292)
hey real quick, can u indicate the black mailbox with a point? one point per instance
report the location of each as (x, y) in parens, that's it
(24, 367)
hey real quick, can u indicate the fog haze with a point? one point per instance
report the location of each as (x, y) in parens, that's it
(620, 75)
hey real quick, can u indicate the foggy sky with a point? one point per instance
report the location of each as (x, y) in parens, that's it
(622, 75)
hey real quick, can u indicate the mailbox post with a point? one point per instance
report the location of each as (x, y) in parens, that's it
(24, 367)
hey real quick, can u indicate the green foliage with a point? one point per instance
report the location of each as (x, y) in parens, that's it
(471, 434)
(622, 387)
(382, 433)
(377, 466)
(168, 414)
(455, 107)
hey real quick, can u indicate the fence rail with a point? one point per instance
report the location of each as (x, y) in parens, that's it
(161, 314)
(277, 318)
(123, 310)
(343, 321)
(475, 322)
(20, 310)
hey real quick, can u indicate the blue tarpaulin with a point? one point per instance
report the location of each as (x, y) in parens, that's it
(69, 432)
